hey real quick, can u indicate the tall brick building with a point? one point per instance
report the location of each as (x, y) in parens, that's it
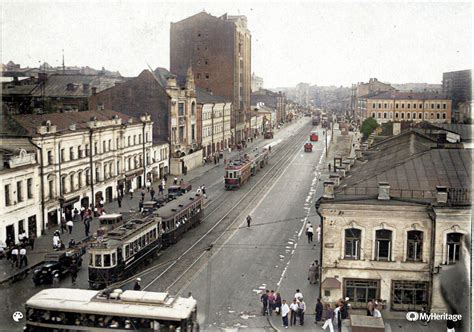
(218, 49)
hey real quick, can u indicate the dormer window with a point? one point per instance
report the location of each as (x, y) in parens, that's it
(70, 87)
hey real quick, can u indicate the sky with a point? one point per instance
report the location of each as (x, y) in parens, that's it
(323, 43)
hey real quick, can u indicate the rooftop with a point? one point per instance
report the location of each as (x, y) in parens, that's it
(204, 97)
(408, 95)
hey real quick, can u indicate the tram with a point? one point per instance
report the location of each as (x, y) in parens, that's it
(238, 171)
(65, 309)
(119, 253)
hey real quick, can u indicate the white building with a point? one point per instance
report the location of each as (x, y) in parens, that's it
(80, 158)
(256, 83)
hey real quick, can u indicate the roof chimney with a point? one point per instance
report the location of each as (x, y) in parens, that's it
(94, 90)
(441, 195)
(384, 191)
(328, 190)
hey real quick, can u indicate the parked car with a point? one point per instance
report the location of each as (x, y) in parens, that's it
(177, 190)
(56, 264)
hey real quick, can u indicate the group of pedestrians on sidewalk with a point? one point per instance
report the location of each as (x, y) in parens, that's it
(310, 233)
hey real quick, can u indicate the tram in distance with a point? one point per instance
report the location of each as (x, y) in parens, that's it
(238, 171)
(66, 309)
(123, 250)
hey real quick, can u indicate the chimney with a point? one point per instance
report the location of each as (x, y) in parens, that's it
(384, 191)
(94, 90)
(441, 195)
(328, 190)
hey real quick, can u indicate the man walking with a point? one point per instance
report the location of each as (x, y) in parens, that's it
(285, 309)
(264, 300)
(70, 224)
(329, 318)
(318, 311)
(14, 256)
(73, 269)
(130, 191)
(63, 225)
(293, 312)
(302, 310)
(152, 193)
(119, 201)
(87, 225)
(337, 315)
(23, 258)
(309, 233)
(249, 220)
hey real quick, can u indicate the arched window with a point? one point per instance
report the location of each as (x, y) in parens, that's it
(373, 114)
(352, 239)
(71, 181)
(444, 115)
(383, 245)
(193, 108)
(415, 246)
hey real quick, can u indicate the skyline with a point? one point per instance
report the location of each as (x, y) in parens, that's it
(413, 42)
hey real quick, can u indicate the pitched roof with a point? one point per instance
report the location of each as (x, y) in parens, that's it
(162, 75)
(204, 97)
(62, 121)
(463, 130)
(407, 95)
(411, 166)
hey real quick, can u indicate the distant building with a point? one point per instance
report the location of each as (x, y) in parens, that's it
(395, 223)
(408, 106)
(361, 91)
(302, 94)
(257, 82)
(274, 100)
(219, 51)
(457, 85)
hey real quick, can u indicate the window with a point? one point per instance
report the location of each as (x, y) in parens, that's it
(408, 115)
(432, 105)
(79, 152)
(408, 105)
(379, 115)
(385, 105)
(383, 245)
(29, 188)
(95, 148)
(390, 115)
(438, 116)
(104, 148)
(409, 295)
(207, 76)
(361, 291)
(71, 182)
(110, 144)
(206, 62)
(193, 132)
(105, 172)
(118, 168)
(79, 180)
(63, 185)
(373, 114)
(421, 106)
(403, 105)
(444, 106)
(87, 150)
(50, 157)
(414, 105)
(198, 76)
(444, 115)
(19, 193)
(193, 108)
(106, 260)
(146, 137)
(181, 134)
(71, 153)
(453, 244)
(396, 105)
(420, 115)
(51, 189)
(8, 201)
(117, 143)
(432, 115)
(402, 115)
(181, 109)
(396, 115)
(414, 116)
(134, 139)
(97, 173)
(98, 260)
(380, 105)
(63, 158)
(114, 259)
(414, 246)
(139, 138)
(88, 178)
(352, 243)
(438, 106)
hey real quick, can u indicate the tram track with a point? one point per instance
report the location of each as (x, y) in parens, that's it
(168, 274)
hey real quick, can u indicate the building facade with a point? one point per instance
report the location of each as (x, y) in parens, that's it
(257, 82)
(457, 86)
(85, 157)
(408, 106)
(361, 91)
(274, 100)
(219, 51)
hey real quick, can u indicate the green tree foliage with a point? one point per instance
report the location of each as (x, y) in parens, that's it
(368, 126)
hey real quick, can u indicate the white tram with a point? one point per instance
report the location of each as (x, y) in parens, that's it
(64, 309)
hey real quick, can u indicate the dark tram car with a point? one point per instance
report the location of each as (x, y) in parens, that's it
(179, 215)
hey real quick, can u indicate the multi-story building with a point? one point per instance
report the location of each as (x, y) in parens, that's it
(395, 222)
(408, 106)
(80, 158)
(302, 94)
(215, 113)
(219, 50)
(361, 91)
(275, 100)
(457, 85)
(257, 82)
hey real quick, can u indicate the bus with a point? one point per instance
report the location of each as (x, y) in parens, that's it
(67, 309)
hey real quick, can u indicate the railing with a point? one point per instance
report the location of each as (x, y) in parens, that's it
(459, 196)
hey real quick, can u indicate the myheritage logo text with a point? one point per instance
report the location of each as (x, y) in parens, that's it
(413, 316)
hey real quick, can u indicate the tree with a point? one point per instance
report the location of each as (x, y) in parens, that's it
(368, 126)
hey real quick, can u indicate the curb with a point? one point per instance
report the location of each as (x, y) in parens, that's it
(272, 325)
(15, 277)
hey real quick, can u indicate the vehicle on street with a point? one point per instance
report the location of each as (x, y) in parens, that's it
(313, 137)
(308, 147)
(109, 221)
(316, 120)
(178, 190)
(89, 310)
(125, 249)
(268, 135)
(57, 265)
(238, 171)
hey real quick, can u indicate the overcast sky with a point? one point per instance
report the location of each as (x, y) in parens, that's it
(322, 43)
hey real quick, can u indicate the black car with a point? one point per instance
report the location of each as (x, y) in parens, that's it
(57, 263)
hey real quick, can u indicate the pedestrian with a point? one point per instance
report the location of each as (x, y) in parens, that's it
(148, 185)
(87, 225)
(329, 167)
(277, 305)
(318, 311)
(63, 225)
(312, 274)
(376, 313)
(370, 308)
(329, 317)
(83, 210)
(137, 285)
(56, 280)
(14, 257)
(301, 311)
(175, 181)
(249, 220)
(298, 295)
(163, 183)
(271, 302)
(76, 214)
(198, 191)
(203, 188)
(22, 236)
(143, 194)
(285, 309)
(318, 233)
(73, 270)
(32, 240)
(309, 233)
(119, 201)
(70, 224)
(181, 181)
(140, 205)
(347, 306)
(293, 312)
(23, 258)
(160, 189)
(264, 300)
(56, 241)
(130, 191)
(337, 316)
(152, 193)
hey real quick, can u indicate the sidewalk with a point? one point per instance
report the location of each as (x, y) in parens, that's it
(44, 243)
(296, 277)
